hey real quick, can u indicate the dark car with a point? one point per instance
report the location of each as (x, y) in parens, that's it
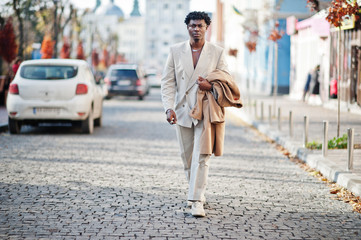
(126, 80)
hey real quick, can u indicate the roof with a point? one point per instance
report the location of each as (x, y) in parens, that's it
(109, 9)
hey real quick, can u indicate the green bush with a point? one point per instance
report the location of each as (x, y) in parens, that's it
(339, 143)
(314, 145)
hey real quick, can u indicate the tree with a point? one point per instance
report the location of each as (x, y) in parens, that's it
(25, 20)
(47, 47)
(58, 22)
(274, 36)
(8, 44)
(339, 11)
(65, 50)
(17, 10)
(80, 51)
(95, 58)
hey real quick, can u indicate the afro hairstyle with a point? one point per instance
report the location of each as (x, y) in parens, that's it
(197, 16)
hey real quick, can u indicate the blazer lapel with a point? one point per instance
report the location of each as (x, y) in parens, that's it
(187, 60)
(201, 67)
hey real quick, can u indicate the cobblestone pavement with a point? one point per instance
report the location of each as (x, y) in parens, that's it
(126, 181)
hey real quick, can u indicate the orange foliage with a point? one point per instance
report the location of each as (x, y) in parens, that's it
(65, 50)
(113, 58)
(8, 44)
(47, 47)
(80, 51)
(275, 33)
(341, 10)
(95, 58)
(233, 52)
(251, 45)
(105, 60)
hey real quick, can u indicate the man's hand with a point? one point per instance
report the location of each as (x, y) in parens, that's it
(204, 85)
(171, 117)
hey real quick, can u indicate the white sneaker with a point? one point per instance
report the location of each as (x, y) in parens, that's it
(198, 210)
(203, 200)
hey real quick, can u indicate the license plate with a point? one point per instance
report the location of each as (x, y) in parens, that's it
(43, 111)
(123, 83)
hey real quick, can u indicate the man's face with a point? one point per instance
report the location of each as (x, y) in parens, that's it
(197, 29)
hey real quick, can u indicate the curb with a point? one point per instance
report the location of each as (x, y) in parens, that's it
(333, 172)
(314, 159)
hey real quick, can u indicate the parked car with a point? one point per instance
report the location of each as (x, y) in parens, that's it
(54, 90)
(154, 79)
(126, 80)
(99, 79)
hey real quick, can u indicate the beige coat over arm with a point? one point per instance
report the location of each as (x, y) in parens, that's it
(211, 111)
(178, 85)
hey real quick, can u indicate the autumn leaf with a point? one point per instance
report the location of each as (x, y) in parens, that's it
(341, 10)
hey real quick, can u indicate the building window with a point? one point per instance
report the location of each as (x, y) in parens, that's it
(165, 6)
(179, 6)
(165, 43)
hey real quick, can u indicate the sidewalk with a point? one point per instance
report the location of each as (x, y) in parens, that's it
(3, 119)
(334, 165)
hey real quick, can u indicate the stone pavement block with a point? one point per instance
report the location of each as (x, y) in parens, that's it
(126, 181)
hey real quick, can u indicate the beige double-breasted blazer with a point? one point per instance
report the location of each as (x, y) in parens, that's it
(178, 85)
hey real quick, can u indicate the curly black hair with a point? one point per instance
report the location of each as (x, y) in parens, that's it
(197, 16)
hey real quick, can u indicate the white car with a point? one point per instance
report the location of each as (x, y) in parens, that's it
(54, 90)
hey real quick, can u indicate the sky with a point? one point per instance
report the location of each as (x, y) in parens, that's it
(127, 5)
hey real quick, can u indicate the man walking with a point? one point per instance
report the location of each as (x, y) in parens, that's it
(187, 67)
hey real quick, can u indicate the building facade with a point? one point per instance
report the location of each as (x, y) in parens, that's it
(106, 27)
(164, 27)
(252, 22)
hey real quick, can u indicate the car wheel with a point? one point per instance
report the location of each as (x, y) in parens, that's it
(87, 125)
(140, 98)
(108, 97)
(14, 126)
(98, 122)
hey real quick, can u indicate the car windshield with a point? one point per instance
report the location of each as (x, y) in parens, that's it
(124, 74)
(48, 72)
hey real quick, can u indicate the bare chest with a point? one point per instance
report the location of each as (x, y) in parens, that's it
(195, 57)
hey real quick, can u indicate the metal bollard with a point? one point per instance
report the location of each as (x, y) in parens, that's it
(325, 138)
(279, 119)
(305, 131)
(270, 114)
(262, 111)
(350, 138)
(291, 124)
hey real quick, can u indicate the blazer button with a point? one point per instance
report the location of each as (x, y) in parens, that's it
(186, 93)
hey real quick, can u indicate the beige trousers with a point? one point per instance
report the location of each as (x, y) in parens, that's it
(196, 165)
